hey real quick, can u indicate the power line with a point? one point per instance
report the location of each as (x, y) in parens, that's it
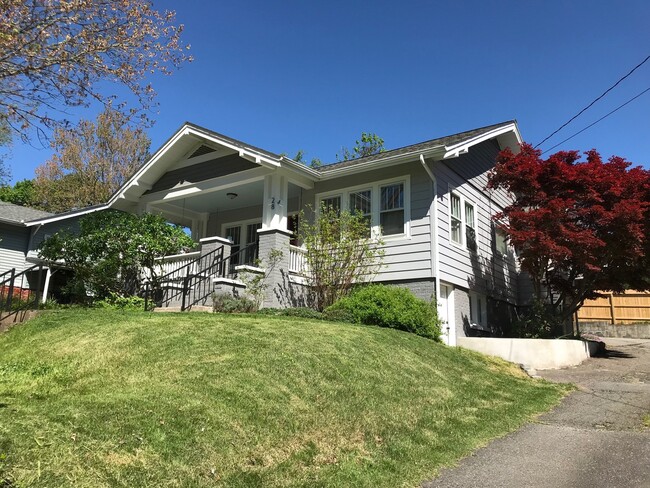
(588, 106)
(594, 123)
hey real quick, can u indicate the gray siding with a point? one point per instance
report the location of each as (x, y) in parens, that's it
(13, 246)
(484, 271)
(406, 258)
(70, 225)
(202, 171)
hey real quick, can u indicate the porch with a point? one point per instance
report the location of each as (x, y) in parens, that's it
(187, 281)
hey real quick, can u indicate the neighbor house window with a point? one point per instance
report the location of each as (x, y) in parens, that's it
(391, 211)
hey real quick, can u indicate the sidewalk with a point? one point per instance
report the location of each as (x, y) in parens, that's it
(594, 438)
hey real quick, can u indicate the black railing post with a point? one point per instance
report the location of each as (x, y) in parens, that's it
(146, 296)
(11, 289)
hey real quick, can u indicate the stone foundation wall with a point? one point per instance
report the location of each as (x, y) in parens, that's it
(630, 331)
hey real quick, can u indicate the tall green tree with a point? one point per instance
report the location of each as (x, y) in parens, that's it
(22, 193)
(60, 53)
(90, 163)
(367, 145)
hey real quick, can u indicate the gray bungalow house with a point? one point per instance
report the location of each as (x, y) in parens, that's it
(428, 202)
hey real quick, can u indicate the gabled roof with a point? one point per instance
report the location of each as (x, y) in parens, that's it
(18, 215)
(191, 137)
(439, 143)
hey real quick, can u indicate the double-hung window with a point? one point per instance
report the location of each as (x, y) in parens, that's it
(456, 220)
(462, 222)
(391, 211)
(383, 205)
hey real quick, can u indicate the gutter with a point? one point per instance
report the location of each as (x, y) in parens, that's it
(433, 224)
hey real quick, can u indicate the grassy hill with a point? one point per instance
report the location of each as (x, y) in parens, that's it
(94, 398)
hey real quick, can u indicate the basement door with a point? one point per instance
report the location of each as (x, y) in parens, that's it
(446, 313)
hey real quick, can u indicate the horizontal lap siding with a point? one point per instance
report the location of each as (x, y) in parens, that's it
(404, 258)
(13, 245)
(70, 225)
(483, 272)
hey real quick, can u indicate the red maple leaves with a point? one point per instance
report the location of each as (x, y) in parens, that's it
(578, 226)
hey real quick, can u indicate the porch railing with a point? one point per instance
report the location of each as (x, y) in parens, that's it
(297, 260)
(18, 293)
(191, 283)
(168, 264)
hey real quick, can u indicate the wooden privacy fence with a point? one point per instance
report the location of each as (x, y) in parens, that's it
(628, 307)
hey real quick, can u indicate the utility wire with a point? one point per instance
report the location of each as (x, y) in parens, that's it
(594, 123)
(588, 106)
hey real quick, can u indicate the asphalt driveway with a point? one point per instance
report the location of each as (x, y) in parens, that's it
(595, 437)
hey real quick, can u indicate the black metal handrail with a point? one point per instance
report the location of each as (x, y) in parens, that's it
(192, 282)
(10, 281)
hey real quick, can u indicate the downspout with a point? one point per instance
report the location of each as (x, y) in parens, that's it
(433, 224)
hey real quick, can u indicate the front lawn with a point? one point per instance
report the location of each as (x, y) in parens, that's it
(96, 398)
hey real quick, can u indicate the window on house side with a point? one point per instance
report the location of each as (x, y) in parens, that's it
(477, 311)
(391, 209)
(456, 220)
(470, 227)
(501, 241)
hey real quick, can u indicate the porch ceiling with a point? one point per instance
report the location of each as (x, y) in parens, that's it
(248, 195)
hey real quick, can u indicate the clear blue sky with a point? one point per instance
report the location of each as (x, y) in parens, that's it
(313, 75)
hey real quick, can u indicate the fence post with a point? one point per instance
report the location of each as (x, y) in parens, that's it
(11, 289)
(612, 308)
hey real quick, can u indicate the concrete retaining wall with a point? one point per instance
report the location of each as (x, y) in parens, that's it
(629, 331)
(533, 353)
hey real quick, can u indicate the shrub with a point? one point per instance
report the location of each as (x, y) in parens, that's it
(388, 306)
(226, 303)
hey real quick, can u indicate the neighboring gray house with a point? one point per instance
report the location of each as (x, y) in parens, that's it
(16, 235)
(428, 201)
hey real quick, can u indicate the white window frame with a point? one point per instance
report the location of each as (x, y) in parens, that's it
(463, 221)
(375, 190)
(243, 233)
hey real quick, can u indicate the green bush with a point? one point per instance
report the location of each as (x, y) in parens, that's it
(121, 302)
(226, 303)
(388, 306)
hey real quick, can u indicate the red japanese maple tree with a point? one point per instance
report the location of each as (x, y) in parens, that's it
(578, 226)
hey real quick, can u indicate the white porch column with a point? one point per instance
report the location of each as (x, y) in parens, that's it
(46, 285)
(274, 210)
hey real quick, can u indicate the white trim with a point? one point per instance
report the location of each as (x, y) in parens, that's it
(375, 187)
(463, 221)
(207, 186)
(456, 150)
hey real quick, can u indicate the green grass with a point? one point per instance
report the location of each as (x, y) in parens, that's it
(94, 398)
